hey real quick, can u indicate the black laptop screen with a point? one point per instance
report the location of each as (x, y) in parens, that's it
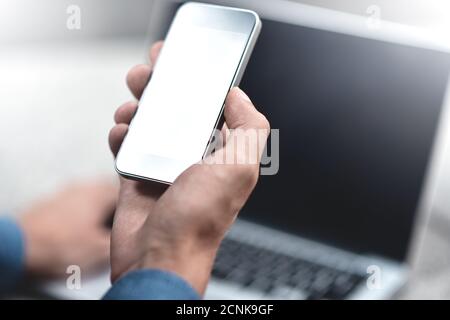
(357, 121)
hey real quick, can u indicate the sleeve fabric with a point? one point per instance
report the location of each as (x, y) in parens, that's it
(12, 254)
(137, 285)
(151, 284)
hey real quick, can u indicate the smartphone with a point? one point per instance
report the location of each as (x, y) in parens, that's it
(204, 55)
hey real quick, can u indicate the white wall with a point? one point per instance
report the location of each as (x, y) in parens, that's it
(45, 20)
(37, 20)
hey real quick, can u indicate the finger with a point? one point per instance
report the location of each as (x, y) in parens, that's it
(125, 113)
(241, 113)
(224, 180)
(247, 130)
(137, 79)
(116, 136)
(224, 132)
(139, 75)
(238, 161)
(155, 50)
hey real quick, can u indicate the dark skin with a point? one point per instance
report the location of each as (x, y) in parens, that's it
(179, 228)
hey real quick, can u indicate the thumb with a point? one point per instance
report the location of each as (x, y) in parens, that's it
(241, 113)
(236, 165)
(225, 176)
(248, 129)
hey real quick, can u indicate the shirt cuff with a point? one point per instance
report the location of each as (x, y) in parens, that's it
(11, 254)
(151, 285)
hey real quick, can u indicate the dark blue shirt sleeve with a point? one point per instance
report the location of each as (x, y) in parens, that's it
(11, 255)
(151, 285)
(136, 285)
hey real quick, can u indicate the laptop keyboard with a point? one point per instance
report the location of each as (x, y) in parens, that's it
(281, 276)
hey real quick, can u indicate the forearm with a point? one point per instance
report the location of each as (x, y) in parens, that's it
(11, 255)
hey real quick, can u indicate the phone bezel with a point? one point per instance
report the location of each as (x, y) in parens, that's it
(253, 36)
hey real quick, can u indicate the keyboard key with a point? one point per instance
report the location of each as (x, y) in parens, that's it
(288, 293)
(261, 284)
(279, 275)
(344, 284)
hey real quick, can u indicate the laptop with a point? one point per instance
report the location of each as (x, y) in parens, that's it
(359, 110)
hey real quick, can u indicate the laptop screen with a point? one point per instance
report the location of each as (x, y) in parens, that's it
(357, 121)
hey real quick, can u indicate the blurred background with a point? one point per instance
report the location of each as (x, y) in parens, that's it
(59, 89)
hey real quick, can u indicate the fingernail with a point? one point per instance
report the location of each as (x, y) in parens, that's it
(244, 96)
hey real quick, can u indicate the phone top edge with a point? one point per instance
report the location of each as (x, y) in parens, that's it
(195, 3)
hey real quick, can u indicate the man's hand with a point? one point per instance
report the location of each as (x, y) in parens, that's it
(179, 228)
(69, 229)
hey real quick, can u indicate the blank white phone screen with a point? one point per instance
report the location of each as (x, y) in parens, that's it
(181, 104)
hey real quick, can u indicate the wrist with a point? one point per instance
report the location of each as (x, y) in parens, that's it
(189, 261)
